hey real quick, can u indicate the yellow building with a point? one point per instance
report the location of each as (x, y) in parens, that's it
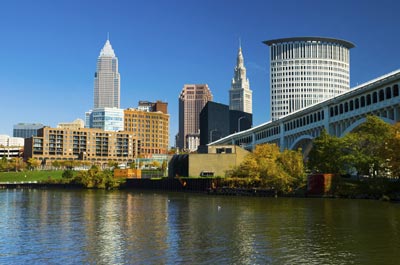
(151, 128)
(216, 161)
(86, 144)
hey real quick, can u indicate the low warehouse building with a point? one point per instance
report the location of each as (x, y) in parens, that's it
(215, 162)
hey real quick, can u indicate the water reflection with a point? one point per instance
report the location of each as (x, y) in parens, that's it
(97, 227)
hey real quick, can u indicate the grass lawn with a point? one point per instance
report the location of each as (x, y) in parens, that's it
(30, 175)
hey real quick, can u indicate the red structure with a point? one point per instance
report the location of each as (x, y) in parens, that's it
(319, 184)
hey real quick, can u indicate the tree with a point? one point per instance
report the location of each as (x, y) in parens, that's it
(164, 165)
(68, 174)
(17, 164)
(112, 163)
(365, 151)
(95, 178)
(270, 168)
(56, 164)
(393, 148)
(292, 163)
(367, 147)
(68, 164)
(326, 149)
(156, 164)
(4, 165)
(33, 163)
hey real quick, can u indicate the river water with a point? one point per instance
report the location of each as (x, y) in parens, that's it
(133, 227)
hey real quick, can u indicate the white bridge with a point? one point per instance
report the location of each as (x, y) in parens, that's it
(338, 115)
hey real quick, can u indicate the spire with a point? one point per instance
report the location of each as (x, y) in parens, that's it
(107, 50)
(240, 95)
(240, 63)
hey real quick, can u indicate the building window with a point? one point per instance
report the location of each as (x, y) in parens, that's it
(374, 97)
(388, 92)
(395, 91)
(362, 101)
(368, 99)
(381, 95)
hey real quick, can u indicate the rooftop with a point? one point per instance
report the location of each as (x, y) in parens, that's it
(345, 43)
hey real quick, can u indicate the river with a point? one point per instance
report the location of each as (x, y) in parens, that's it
(132, 227)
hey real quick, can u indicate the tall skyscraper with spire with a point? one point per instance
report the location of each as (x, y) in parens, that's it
(107, 79)
(240, 95)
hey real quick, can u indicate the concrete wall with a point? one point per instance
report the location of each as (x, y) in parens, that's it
(217, 163)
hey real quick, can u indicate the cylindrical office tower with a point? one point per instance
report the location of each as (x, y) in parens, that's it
(307, 70)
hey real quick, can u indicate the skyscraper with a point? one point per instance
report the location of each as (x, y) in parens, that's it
(240, 95)
(191, 101)
(107, 79)
(307, 70)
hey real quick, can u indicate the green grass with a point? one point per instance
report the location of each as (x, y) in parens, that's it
(30, 176)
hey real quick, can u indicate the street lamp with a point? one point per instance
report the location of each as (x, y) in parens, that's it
(239, 122)
(210, 138)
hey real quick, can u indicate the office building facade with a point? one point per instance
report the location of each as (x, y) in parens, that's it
(107, 79)
(150, 127)
(305, 71)
(26, 130)
(107, 119)
(86, 144)
(218, 121)
(191, 101)
(240, 95)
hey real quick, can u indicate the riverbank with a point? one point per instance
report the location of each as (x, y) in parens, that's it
(374, 188)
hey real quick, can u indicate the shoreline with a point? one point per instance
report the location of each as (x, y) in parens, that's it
(219, 191)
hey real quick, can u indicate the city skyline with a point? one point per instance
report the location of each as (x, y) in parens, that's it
(48, 53)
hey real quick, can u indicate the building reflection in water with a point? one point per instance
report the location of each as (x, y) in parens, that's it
(127, 227)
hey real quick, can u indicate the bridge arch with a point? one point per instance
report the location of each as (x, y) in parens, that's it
(361, 121)
(305, 142)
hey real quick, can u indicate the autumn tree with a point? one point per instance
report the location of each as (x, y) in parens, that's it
(271, 168)
(33, 163)
(17, 164)
(292, 163)
(156, 164)
(112, 164)
(164, 165)
(95, 178)
(4, 165)
(56, 164)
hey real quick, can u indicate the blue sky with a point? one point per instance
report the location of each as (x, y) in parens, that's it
(48, 49)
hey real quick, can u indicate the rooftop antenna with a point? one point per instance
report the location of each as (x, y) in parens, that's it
(240, 42)
(108, 36)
